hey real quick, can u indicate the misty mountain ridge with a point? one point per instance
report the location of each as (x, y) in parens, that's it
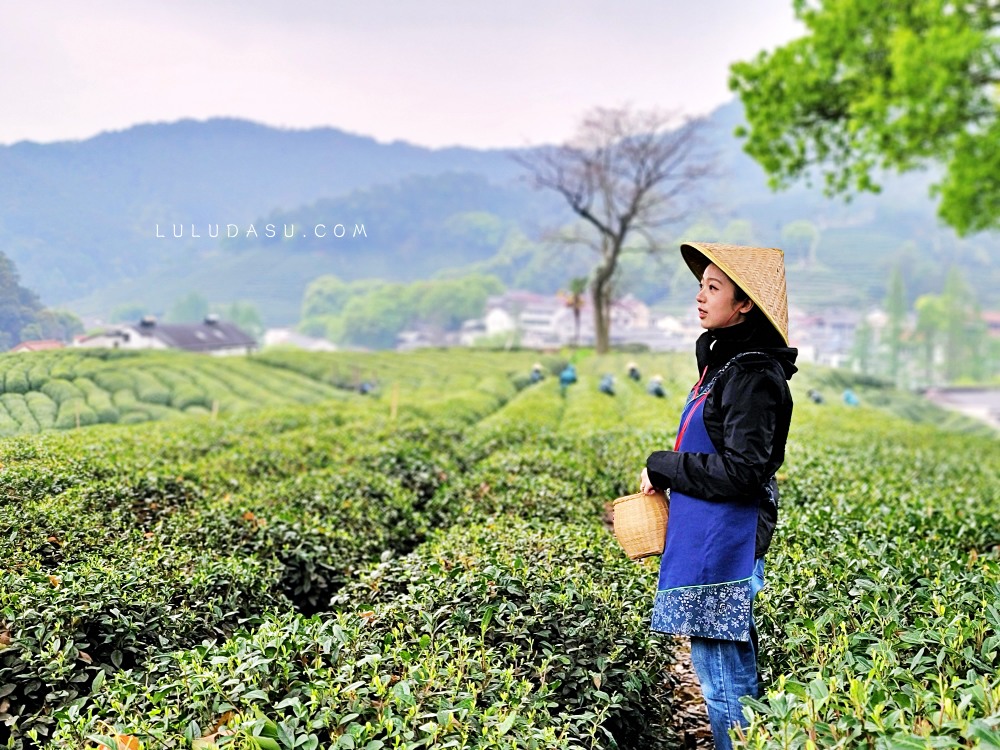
(91, 223)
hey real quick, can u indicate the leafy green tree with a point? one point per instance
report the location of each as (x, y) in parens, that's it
(376, 318)
(325, 295)
(929, 327)
(887, 86)
(446, 304)
(191, 308)
(320, 326)
(128, 313)
(978, 341)
(896, 310)
(19, 307)
(574, 300)
(863, 346)
(799, 239)
(60, 325)
(246, 316)
(956, 304)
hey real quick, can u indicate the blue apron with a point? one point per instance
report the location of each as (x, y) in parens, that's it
(705, 587)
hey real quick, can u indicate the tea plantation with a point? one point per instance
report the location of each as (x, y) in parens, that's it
(274, 560)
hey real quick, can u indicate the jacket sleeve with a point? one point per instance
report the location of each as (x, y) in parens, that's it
(749, 405)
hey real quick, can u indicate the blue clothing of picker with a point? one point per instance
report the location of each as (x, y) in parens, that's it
(701, 593)
(566, 378)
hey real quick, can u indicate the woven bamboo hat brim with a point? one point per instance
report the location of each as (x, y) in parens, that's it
(758, 271)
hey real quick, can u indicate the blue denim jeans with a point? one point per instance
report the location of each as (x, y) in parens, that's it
(727, 671)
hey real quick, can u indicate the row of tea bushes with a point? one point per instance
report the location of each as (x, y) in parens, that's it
(584, 410)
(424, 370)
(510, 635)
(50, 464)
(200, 526)
(72, 388)
(287, 517)
(881, 619)
(36, 466)
(76, 388)
(275, 518)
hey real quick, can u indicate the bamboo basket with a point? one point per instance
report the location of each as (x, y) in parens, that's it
(641, 524)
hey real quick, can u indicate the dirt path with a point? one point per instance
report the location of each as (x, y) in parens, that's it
(690, 715)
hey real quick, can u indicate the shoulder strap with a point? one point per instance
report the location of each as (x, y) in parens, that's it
(725, 367)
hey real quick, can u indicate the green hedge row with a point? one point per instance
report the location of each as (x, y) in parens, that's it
(291, 515)
(511, 635)
(174, 547)
(883, 589)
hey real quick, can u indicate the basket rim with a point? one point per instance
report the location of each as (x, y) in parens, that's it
(634, 495)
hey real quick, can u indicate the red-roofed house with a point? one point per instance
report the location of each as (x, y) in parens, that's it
(37, 346)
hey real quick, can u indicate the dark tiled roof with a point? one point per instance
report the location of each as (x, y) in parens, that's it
(199, 337)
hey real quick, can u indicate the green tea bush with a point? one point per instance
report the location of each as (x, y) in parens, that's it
(16, 379)
(425, 565)
(186, 396)
(98, 400)
(883, 588)
(507, 636)
(535, 405)
(74, 412)
(42, 408)
(8, 425)
(107, 612)
(113, 381)
(149, 388)
(38, 374)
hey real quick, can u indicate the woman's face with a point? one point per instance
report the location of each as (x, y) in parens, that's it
(717, 305)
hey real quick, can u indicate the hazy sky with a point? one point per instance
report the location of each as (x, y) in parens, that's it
(432, 72)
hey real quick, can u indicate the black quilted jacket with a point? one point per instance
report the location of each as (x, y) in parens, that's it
(747, 415)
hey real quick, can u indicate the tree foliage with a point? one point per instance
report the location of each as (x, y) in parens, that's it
(943, 338)
(372, 313)
(889, 86)
(245, 315)
(128, 312)
(799, 240)
(19, 307)
(60, 325)
(191, 308)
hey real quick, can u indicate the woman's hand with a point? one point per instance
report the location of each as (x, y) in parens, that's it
(645, 486)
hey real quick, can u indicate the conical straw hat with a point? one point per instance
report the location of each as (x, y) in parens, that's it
(758, 271)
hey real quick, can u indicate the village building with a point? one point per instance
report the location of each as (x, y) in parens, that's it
(291, 337)
(539, 321)
(211, 336)
(37, 346)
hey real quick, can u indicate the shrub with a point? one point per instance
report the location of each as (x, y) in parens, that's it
(43, 409)
(16, 380)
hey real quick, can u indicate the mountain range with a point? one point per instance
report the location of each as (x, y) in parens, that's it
(149, 214)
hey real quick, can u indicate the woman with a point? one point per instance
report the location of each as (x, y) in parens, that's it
(723, 494)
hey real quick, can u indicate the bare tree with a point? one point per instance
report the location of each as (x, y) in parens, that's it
(626, 173)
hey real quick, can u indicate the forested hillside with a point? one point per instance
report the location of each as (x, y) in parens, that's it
(81, 221)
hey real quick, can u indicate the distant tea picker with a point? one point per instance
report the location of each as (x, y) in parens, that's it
(721, 473)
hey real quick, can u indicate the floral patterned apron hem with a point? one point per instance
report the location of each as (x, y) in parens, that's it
(718, 610)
